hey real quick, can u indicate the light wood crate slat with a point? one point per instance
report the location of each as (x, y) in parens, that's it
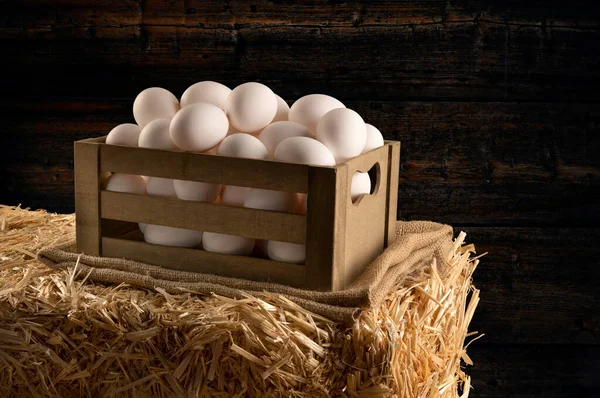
(173, 212)
(326, 219)
(263, 174)
(87, 188)
(195, 260)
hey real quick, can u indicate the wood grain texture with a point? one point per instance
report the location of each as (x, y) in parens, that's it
(494, 102)
(326, 221)
(538, 285)
(366, 218)
(463, 51)
(213, 263)
(201, 216)
(215, 169)
(533, 371)
(87, 197)
(392, 192)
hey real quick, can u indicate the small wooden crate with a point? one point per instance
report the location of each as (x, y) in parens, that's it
(341, 237)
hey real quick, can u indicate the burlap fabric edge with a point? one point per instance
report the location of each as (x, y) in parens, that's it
(417, 244)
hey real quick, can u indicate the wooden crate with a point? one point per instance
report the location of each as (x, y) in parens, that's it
(341, 237)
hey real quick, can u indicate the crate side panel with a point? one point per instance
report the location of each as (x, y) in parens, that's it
(366, 219)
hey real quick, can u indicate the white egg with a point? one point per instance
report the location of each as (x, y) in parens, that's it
(154, 103)
(142, 227)
(304, 150)
(206, 91)
(169, 236)
(361, 185)
(343, 131)
(243, 146)
(155, 135)
(126, 134)
(266, 199)
(232, 195)
(301, 206)
(276, 132)
(126, 183)
(104, 176)
(198, 191)
(283, 109)
(227, 244)
(309, 109)
(286, 252)
(251, 107)
(199, 127)
(163, 187)
(374, 138)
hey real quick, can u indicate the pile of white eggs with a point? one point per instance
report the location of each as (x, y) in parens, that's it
(250, 121)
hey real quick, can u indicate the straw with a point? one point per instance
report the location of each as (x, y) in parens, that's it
(64, 335)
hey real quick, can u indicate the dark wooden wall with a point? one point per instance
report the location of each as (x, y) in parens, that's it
(495, 102)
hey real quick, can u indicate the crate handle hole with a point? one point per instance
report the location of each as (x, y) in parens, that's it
(374, 174)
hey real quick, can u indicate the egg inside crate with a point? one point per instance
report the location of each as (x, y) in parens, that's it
(154, 103)
(156, 186)
(126, 183)
(206, 91)
(233, 195)
(240, 146)
(276, 132)
(198, 191)
(286, 252)
(155, 135)
(304, 150)
(344, 132)
(361, 185)
(283, 109)
(199, 127)
(374, 138)
(266, 199)
(227, 244)
(309, 109)
(251, 107)
(243, 146)
(126, 134)
(170, 236)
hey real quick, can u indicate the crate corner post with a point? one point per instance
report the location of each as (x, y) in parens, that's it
(87, 197)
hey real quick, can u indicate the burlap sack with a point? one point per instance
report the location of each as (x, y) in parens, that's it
(416, 245)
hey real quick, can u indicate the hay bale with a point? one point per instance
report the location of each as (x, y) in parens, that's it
(63, 335)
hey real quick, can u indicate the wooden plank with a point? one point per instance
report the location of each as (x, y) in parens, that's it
(392, 192)
(475, 57)
(538, 285)
(256, 13)
(533, 371)
(173, 212)
(366, 218)
(325, 227)
(263, 174)
(87, 189)
(197, 260)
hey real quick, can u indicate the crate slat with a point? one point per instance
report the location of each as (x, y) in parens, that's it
(265, 174)
(195, 260)
(173, 212)
(326, 223)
